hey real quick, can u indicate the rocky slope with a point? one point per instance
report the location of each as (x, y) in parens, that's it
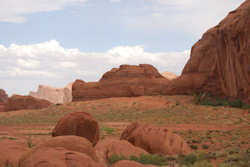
(126, 81)
(17, 102)
(220, 61)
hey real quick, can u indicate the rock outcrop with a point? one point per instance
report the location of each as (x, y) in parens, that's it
(106, 148)
(169, 75)
(127, 163)
(220, 60)
(72, 143)
(11, 151)
(17, 102)
(126, 81)
(54, 95)
(155, 140)
(3, 96)
(78, 124)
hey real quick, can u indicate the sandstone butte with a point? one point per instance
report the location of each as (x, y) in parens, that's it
(54, 95)
(3, 99)
(126, 81)
(17, 102)
(3, 96)
(220, 60)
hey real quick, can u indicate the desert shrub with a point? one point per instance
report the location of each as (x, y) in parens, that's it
(236, 103)
(204, 146)
(237, 159)
(202, 164)
(198, 159)
(115, 158)
(196, 141)
(29, 142)
(8, 165)
(194, 147)
(187, 160)
(157, 160)
(207, 99)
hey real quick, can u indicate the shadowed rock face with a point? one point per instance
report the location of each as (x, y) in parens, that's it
(78, 124)
(54, 95)
(126, 81)
(220, 60)
(17, 102)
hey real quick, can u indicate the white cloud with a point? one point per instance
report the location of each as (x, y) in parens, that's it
(186, 16)
(67, 64)
(115, 1)
(28, 63)
(15, 11)
(50, 63)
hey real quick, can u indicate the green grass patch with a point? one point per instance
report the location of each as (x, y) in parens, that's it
(208, 100)
(151, 159)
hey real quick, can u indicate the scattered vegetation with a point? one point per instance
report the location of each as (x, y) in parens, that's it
(8, 165)
(29, 142)
(157, 160)
(207, 99)
(236, 158)
(194, 160)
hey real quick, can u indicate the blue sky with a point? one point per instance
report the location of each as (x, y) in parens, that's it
(55, 42)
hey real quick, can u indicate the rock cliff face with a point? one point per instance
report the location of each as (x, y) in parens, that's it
(54, 95)
(3, 96)
(126, 81)
(17, 102)
(3, 99)
(220, 60)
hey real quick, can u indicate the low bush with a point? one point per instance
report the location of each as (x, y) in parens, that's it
(151, 159)
(207, 99)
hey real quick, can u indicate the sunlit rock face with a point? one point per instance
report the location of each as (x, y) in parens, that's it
(220, 60)
(54, 95)
(169, 75)
(125, 81)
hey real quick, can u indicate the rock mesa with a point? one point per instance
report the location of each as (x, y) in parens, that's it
(54, 95)
(126, 81)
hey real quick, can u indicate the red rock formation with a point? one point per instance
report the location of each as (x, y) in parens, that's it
(78, 124)
(17, 102)
(57, 157)
(220, 61)
(108, 147)
(11, 151)
(3, 96)
(155, 140)
(62, 151)
(126, 81)
(72, 143)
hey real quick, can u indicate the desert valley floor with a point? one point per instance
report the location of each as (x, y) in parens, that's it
(217, 131)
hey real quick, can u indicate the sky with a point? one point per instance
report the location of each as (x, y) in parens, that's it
(54, 42)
